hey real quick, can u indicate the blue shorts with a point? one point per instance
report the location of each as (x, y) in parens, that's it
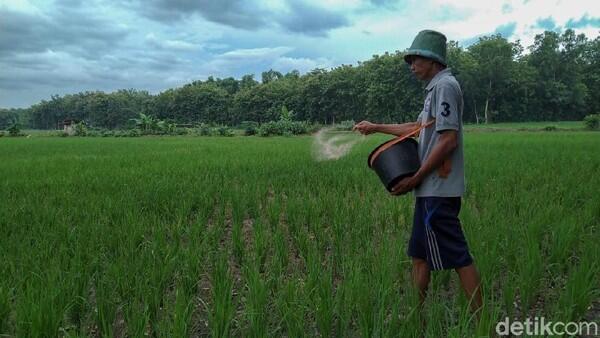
(437, 235)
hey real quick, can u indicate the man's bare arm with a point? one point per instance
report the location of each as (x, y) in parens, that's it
(442, 150)
(366, 127)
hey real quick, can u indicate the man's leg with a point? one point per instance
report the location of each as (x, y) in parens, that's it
(471, 284)
(421, 276)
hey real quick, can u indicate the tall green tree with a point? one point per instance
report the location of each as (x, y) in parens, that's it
(591, 75)
(494, 60)
(550, 92)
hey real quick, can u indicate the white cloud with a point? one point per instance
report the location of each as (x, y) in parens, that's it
(461, 20)
(254, 54)
(171, 44)
(286, 64)
(19, 5)
(485, 16)
(241, 61)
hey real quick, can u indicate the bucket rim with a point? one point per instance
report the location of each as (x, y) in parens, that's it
(409, 139)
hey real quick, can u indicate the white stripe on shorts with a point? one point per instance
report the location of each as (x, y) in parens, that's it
(431, 255)
(436, 249)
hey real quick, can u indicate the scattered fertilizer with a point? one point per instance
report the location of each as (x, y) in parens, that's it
(332, 147)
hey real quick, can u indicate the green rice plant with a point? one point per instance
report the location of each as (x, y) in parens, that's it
(436, 317)
(532, 267)
(105, 307)
(280, 255)
(563, 240)
(137, 317)
(260, 245)
(362, 298)
(319, 285)
(342, 308)
(256, 302)
(182, 315)
(5, 309)
(488, 317)
(42, 305)
(178, 316)
(222, 311)
(238, 244)
(581, 287)
(509, 294)
(291, 309)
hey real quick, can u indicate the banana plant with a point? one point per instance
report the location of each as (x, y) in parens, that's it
(146, 123)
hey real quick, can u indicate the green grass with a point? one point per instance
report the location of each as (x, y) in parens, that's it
(249, 236)
(527, 126)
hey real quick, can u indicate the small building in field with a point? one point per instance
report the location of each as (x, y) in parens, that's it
(68, 125)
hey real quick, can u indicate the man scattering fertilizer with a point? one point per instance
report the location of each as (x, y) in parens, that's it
(437, 241)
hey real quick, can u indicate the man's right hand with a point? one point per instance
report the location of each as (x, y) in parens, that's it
(365, 127)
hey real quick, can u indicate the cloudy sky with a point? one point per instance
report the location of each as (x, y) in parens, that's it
(68, 46)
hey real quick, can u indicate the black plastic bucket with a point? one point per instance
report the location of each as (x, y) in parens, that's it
(396, 162)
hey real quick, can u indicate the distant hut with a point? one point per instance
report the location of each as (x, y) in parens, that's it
(68, 126)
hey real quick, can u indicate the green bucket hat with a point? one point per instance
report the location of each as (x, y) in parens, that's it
(429, 44)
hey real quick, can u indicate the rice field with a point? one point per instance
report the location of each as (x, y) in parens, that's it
(528, 126)
(251, 237)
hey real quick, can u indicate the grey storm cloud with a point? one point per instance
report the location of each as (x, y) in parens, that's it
(584, 21)
(54, 70)
(61, 46)
(66, 30)
(62, 50)
(301, 17)
(311, 20)
(234, 13)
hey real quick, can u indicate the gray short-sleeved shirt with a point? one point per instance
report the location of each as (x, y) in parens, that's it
(444, 102)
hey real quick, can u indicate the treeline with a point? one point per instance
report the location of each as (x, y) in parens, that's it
(558, 79)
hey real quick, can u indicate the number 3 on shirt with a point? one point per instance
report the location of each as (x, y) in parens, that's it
(446, 111)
